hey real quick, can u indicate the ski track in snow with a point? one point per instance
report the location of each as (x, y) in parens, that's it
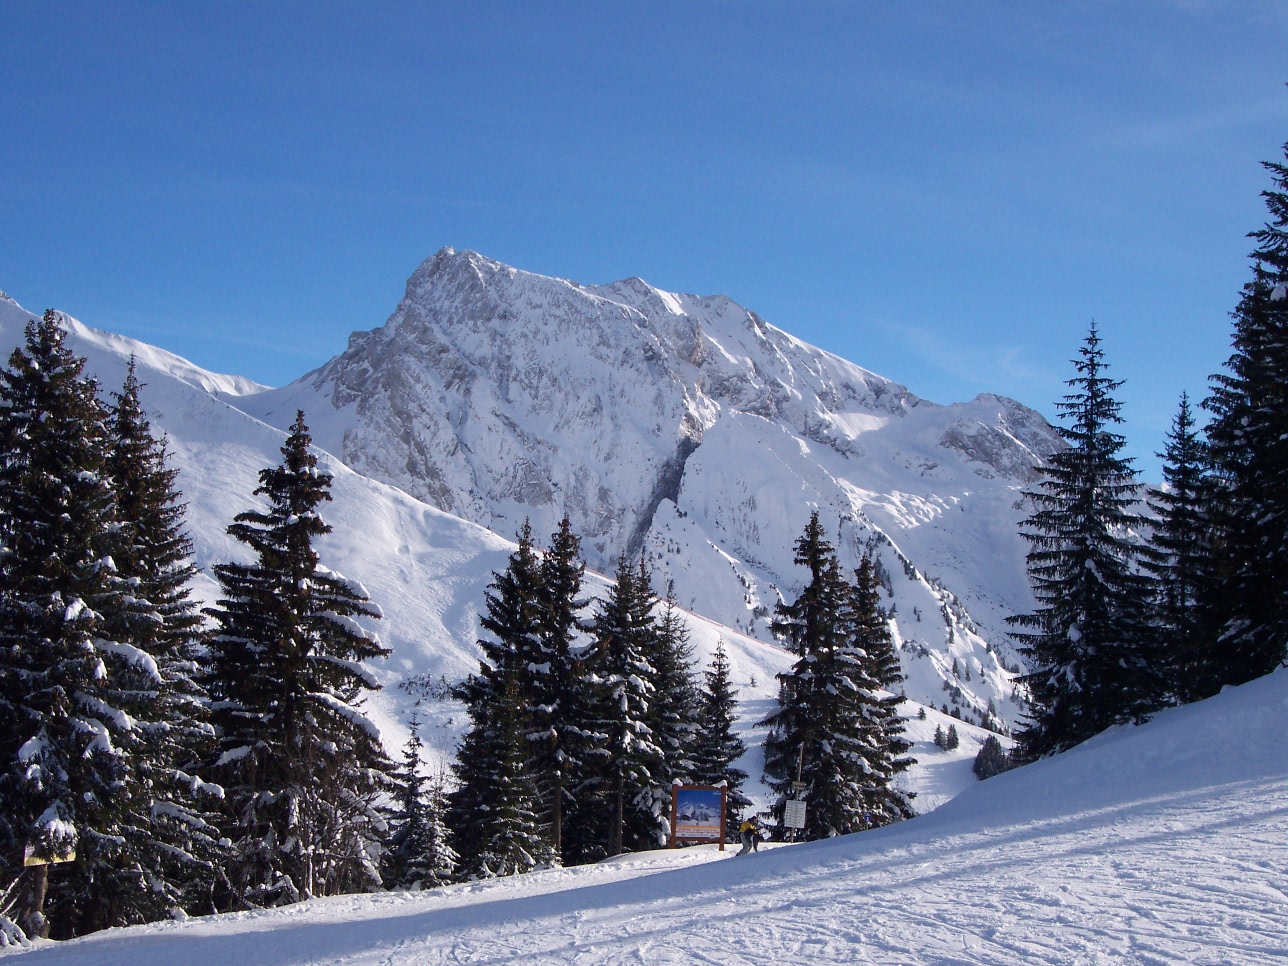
(1155, 845)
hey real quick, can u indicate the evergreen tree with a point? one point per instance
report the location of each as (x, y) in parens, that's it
(303, 768)
(169, 856)
(562, 735)
(1180, 559)
(496, 809)
(883, 746)
(809, 623)
(418, 854)
(1088, 643)
(831, 727)
(951, 739)
(716, 746)
(673, 712)
(506, 694)
(1248, 436)
(991, 760)
(624, 682)
(66, 783)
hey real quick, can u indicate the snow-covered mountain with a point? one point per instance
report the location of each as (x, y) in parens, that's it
(740, 495)
(427, 569)
(691, 430)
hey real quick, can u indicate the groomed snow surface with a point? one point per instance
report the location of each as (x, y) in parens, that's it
(1165, 843)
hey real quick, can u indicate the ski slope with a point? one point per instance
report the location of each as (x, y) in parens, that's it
(1166, 843)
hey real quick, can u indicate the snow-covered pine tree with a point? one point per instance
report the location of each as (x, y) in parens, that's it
(991, 760)
(624, 628)
(495, 811)
(563, 734)
(882, 745)
(303, 768)
(674, 710)
(1180, 558)
(1088, 643)
(418, 854)
(169, 854)
(65, 749)
(509, 687)
(809, 622)
(823, 725)
(1248, 436)
(716, 747)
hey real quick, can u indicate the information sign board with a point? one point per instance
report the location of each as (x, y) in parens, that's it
(794, 813)
(697, 814)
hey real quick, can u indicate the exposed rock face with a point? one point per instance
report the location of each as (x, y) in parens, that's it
(688, 429)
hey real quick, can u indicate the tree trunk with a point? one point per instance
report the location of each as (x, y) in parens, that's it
(618, 820)
(556, 818)
(32, 917)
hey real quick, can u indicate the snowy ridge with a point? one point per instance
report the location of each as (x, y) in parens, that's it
(689, 429)
(13, 317)
(1156, 844)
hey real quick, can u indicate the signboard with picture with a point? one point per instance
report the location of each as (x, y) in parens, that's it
(30, 858)
(697, 814)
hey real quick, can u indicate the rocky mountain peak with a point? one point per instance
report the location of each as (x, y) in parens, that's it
(684, 428)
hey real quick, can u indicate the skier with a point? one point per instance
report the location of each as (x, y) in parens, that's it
(750, 831)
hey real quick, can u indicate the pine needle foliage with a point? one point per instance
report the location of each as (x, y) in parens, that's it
(506, 701)
(716, 745)
(1248, 438)
(418, 854)
(834, 731)
(1088, 643)
(303, 768)
(66, 748)
(171, 856)
(624, 683)
(1180, 559)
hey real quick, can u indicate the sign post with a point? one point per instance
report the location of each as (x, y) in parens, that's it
(698, 814)
(794, 814)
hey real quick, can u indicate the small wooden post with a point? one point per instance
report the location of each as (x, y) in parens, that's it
(724, 815)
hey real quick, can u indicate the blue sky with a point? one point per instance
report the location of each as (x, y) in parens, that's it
(945, 193)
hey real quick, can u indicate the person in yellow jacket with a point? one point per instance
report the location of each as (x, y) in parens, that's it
(750, 832)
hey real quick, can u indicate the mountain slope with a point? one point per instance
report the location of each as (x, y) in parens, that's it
(426, 569)
(1162, 843)
(691, 430)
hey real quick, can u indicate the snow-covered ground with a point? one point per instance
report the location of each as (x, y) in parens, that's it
(1162, 844)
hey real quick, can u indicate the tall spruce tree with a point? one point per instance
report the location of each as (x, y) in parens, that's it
(505, 695)
(66, 783)
(418, 854)
(562, 730)
(624, 682)
(883, 746)
(169, 854)
(673, 712)
(1088, 643)
(495, 811)
(827, 731)
(1248, 436)
(302, 766)
(716, 747)
(1180, 558)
